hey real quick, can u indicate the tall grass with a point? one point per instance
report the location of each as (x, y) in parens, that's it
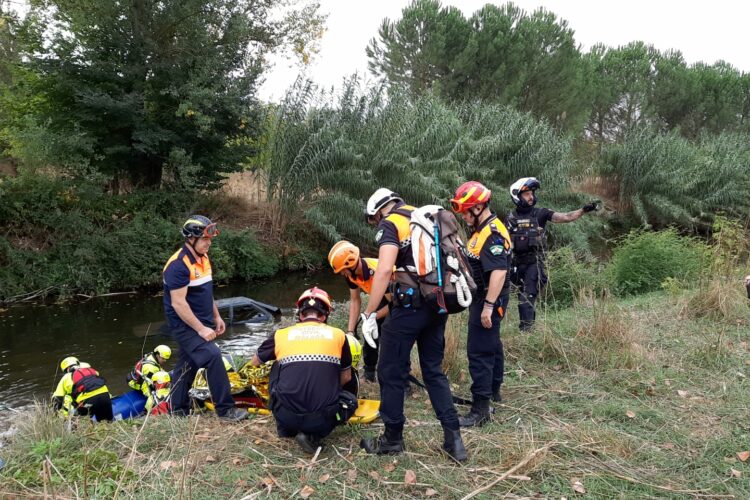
(330, 152)
(665, 179)
(720, 295)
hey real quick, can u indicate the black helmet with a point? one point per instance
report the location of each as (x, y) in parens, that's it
(198, 226)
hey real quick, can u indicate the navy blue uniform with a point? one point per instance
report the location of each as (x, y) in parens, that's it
(184, 270)
(527, 228)
(488, 250)
(306, 393)
(405, 325)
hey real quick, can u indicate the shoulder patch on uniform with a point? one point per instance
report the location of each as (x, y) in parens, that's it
(497, 249)
(379, 235)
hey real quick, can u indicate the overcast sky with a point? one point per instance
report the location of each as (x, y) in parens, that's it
(702, 30)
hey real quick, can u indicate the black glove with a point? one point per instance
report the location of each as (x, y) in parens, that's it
(590, 207)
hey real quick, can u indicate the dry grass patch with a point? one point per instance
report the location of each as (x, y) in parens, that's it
(608, 339)
(717, 299)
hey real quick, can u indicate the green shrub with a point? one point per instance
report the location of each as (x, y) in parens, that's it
(63, 238)
(239, 254)
(665, 179)
(569, 276)
(642, 261)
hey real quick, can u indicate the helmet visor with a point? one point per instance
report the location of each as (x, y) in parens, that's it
(457, 206)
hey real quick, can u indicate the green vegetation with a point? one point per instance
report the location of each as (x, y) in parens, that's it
(625, 397)
(666, 179)
(642, 262)
(119, 127)
(121, 115)
(146, 92)
(327, 157)
(502, 54)
(65, 237)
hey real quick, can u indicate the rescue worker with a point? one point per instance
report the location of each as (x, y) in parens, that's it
(140, 377)
(409, 321)
(194, 320)
(82, 391)
(488, 252)
(313, 363)
(158, 398)
(527, 227)
(358, 272)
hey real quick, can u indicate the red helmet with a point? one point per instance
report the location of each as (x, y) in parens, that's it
(470, 194)
(317, 299)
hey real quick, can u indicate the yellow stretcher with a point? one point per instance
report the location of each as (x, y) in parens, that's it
(249, 386)
(367, 412)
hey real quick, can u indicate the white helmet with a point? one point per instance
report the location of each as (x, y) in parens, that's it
(379, 199)
(521, 185)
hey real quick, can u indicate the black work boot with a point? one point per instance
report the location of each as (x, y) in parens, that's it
(235, 415)
(369, 374)
(478, 415)
(307, 442)
(391, 442)
(454, 445)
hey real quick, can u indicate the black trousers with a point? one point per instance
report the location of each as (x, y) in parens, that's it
(318, 424)
(402, 328)
(529, 279)
(99, 407)
(370, 354)
(485, 350)
(196, 353)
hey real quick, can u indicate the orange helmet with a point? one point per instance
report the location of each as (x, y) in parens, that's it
(317, 299)
(343, 255)
(470, 194)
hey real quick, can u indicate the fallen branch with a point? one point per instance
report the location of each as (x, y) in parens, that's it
(510, 471)
(24, 297)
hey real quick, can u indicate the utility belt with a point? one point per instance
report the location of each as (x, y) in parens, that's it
(405, 291)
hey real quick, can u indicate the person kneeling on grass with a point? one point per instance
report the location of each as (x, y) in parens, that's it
(82, 391)
(158, 398)
(313, 364)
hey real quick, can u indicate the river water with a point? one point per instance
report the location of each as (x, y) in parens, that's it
(112, 333)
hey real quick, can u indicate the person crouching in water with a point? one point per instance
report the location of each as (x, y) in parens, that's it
(158, 398)
(82, 391)
(140, 378)
(313, 363)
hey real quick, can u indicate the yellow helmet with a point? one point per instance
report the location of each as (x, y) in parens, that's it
(163, 350)
(355, 348)
(161, 380)
(69, 362)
